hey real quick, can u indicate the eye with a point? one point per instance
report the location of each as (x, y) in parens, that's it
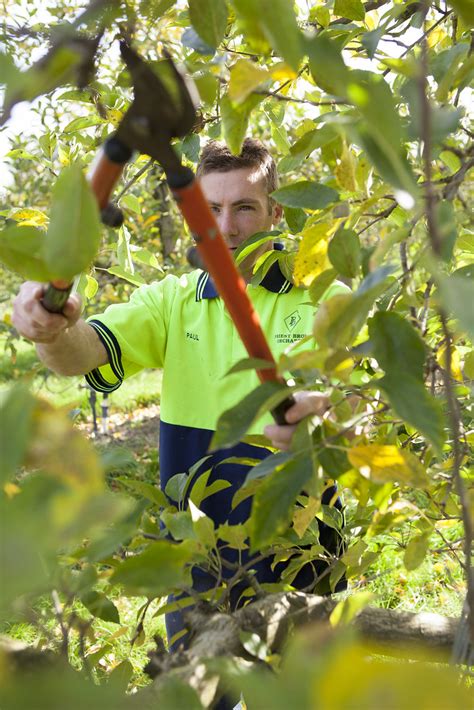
(247, 208)
(215, 209)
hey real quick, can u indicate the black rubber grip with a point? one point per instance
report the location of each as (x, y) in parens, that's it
(180, 178)
(278, 413)
(112, 216)
(55, 299)
(116, 151)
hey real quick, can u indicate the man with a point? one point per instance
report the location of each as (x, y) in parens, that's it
(181, 326)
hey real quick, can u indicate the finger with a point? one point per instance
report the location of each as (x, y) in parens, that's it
(280, 436)
(308, 403)
(54, 322)
(72, 309)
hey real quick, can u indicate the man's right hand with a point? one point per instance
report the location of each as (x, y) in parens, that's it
(34, 322)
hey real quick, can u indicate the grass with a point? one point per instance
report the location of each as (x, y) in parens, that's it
(71, 392)
(436, 586)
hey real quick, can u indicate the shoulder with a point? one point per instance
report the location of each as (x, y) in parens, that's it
(170, 287)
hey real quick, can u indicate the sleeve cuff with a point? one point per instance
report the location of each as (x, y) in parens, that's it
(96, 378)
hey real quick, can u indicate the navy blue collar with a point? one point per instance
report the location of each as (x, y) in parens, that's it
(273, 281)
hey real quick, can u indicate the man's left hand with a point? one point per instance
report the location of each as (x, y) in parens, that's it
(307, 403)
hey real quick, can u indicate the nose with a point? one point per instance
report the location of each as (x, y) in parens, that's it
(227, 224)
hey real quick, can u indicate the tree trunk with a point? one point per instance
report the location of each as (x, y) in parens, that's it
(213, 635)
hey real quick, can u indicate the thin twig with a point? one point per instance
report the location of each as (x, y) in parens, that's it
(134, 179)
(59, 614)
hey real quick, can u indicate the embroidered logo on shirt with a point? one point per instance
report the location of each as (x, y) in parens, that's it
(192, 336)
(292, 320)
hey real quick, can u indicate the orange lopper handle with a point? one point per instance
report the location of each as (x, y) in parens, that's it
(229, 282)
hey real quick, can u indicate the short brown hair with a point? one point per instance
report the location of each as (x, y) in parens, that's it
(217, 158)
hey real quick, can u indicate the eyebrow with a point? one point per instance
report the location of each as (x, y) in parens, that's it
(244, 201)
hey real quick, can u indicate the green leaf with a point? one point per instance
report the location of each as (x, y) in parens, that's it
(306, 194)
(134, 279)
(81, 122)
(57, 67)
(209, 19)
(272, 506)
(295, 218)
(412, 403)
(21, 154)
(254, 242)
(157, 570)
(207, 85)
(179, 524)
(191, 39)
(312, 140)
(444, 119)
(268, 465)
(235, 422)
(132, 203)
(143, 256)
(465, 9)
(339, 319)
(321, 284)
(347, 610)
(175, 693)
(250, 363)
(278, 21)
(381, 133)
(21, 249)
(154, 9)
(322, 53)
(121, 676)
(456, 293)
(350, 9)
(73, 236)
(235, 119)
(245, 76)
(396, 344)
(416, 551)
(203, 526)
(334, 461)
(146, 490)
(344, 252)
(16, 422)
(176, 487)
(100, 607)
(370, 41)
(236, 535)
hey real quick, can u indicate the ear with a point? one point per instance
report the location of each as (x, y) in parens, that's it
(277, 212)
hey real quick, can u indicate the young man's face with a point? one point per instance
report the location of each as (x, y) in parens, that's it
(240, 203)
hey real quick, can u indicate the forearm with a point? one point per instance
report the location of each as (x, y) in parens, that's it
(75, 351)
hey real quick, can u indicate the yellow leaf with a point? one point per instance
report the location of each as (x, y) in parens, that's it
(245, 76)
(436, 36)
(304, 516)
(455, 362)
(11, 489)
(345, 170)
(349, 608)
(382, 463)
(282, 72)
(312, 258)
(33, 218)
(114, 116)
